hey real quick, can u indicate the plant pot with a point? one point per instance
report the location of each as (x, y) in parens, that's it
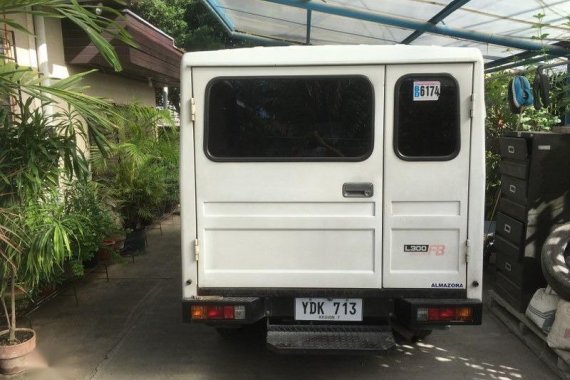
(104, 253)
(136, 241)
(13, 358)
(116, 241)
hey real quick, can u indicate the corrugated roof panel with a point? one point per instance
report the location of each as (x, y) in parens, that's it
(501, 17)
(420, 10)
(491, 17)
(280, 29)
(355, 31)
(266, 19)
(490, 52)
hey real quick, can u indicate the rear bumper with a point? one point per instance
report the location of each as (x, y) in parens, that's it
(376, 310)
(310, 339)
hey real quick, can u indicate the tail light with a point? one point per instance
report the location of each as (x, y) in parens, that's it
(198, 312)
(445, 314)
(229, 312)
(217, 312)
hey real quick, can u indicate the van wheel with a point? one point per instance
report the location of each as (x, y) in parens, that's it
(420, 335)
(554, 256)
(404, 335)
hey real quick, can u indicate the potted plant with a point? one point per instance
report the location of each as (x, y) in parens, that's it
(15, 343)
(39, 236)
(99, 229)
(140, 171)
(37, 151)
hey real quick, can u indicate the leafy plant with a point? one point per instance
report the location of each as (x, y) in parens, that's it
(39, 231)
(93, 23)
(39, 238)
(83, 203)
(31, 146)
(52, 232)
(142, 170)
(501, 120)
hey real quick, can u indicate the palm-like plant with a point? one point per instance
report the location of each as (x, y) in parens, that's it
(38, 150)
(137, 169)
(9, 267)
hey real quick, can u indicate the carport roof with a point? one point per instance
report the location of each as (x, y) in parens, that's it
(504, 30)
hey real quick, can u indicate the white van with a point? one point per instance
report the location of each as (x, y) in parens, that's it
(335, 193)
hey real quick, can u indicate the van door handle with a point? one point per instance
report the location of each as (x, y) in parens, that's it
(358, 190)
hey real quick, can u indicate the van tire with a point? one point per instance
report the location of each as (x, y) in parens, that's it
(420, 335)
(405, 335)
(555, 252)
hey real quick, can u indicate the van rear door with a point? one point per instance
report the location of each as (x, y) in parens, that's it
(427, 150)
(289, 176)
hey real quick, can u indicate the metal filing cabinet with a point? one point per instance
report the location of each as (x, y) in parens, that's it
(535, 196)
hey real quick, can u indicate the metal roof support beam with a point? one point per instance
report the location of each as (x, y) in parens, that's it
(423, 26)
(265, 41)
(521, 57)
(214, 7)
(440, 16)
(513, 64)
(309, 17)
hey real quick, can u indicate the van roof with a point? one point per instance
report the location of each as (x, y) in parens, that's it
(332, 55)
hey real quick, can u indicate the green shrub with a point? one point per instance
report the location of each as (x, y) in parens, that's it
(141, 173)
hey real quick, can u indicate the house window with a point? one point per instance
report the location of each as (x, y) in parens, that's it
(426, 119)
(289, 119)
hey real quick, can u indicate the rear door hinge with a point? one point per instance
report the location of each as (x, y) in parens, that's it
(468, 251)
(193, 109)
(472, 105)
(197, 249)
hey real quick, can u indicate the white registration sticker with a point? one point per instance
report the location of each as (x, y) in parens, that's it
(328, 309)
(426, 90)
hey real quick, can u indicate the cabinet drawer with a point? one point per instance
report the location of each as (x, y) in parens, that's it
(513, 148)
(510, 267)
(512, 293)
(514, 188)
(505, 247)
(517, 169)
(510, 228)
(514, 209)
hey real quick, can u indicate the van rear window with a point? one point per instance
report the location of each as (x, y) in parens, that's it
(289, 119)
(427, 117)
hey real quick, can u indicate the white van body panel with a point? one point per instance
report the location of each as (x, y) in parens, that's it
(187, 189)
(287, 224)
(426, 202)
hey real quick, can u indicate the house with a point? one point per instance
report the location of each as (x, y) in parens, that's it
(60, 49)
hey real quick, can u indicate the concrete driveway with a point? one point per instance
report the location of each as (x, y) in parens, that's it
(131, 328)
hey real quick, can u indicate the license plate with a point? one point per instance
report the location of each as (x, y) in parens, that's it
(426, 90)
(327, 309)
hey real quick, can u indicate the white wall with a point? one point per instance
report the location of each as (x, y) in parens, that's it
(56, 58)
(25, 43)
(110, 86)
(117, 89)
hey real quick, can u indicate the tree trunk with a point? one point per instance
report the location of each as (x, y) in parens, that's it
(12, 328)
